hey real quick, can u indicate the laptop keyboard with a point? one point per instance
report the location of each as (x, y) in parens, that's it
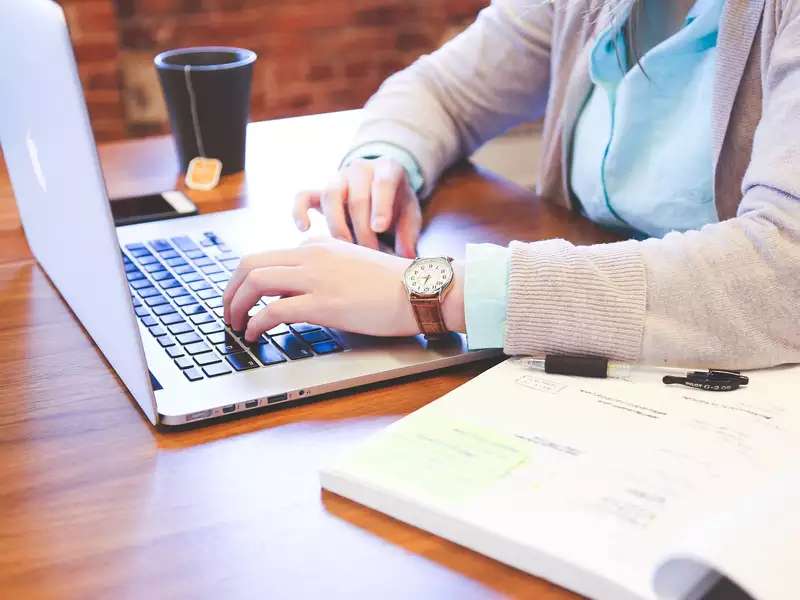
(177, 287)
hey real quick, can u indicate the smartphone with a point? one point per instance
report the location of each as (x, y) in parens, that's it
(153, 207)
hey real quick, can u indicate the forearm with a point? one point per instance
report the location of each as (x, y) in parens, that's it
(725, 296)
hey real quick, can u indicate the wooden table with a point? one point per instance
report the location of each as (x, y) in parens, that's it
(94, 503)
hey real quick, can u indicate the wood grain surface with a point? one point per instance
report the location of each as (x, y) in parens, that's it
(94, 503)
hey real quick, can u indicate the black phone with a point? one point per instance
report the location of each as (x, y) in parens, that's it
(152, 207)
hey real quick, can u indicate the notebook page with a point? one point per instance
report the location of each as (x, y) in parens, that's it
(756, 543)
(599, 474)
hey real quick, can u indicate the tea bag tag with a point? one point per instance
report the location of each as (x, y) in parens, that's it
(203, 174)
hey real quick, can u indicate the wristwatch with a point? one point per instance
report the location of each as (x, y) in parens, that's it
(427, 281)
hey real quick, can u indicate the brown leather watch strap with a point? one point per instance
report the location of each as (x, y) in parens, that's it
(428, 312)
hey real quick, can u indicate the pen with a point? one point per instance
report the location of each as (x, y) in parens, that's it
(712, 380)
(582, 366)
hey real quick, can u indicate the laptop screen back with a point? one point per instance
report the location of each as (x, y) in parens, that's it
(51, 156)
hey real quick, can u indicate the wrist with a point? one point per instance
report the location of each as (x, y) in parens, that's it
(453, 302)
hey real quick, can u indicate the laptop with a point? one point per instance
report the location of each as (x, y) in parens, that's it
(150, 294)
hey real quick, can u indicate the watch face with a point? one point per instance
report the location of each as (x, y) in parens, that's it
(428, 276)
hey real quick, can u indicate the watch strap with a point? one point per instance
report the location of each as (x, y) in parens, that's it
(428, 312)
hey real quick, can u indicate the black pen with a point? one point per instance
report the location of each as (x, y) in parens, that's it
(581, 366)
(712, 380)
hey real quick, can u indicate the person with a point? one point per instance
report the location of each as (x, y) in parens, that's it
(676, 122)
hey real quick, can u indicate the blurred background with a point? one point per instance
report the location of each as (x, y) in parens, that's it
(314, 56)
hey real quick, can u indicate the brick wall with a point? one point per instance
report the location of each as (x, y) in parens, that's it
(314, 55)
(95, 36)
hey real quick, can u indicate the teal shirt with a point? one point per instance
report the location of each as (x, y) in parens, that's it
(642, 158)
(642, 155)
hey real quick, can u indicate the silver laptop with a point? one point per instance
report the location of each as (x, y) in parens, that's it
(150, 294)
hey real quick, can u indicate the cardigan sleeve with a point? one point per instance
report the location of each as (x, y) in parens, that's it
(489, 78)
(726, 296)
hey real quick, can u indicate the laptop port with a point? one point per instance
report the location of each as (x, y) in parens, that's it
(228, 409)
(203, 414)
(251, 404)
(277, 398)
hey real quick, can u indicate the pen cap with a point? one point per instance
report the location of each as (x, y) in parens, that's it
(583, 366)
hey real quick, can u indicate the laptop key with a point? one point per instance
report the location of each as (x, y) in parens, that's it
(192, 277)
(292, 346)
(193, 309)
(135, 246)
(220, 277)
(217, 370)
(134, 275)
(163, 309)
(166, 341)
(201, 319)
(214, 302)
(197, 348)
(207, 358)
(147, 259)
(267, 354)
(172, 319)
(208, 294)
(278, 329)
(180, 328)
(147, 292)
(149, 321)
(175, 351)
(304, 327)
(140, 283)
(194, 254)
(199, 285)
(209, 269)
(161, 275)
(193, 374)
(184, 242)
(242, 361)
(176, 262)
(177, 291)
(184, 362)
(168, 283)
(156, 266)
(211, 328)
(229, 346)
(184, 269)
(169, 254)
(220, 312)
(328, 347)
(184, 300)
(155, 300)
(157, 331)
(160, 245)
(202, 261)
(141, 311)
(189, 338)
(313, 337)
(218, 337)
(130, 267)
(136, 301)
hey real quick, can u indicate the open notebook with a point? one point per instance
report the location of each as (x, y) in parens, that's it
(612, 488)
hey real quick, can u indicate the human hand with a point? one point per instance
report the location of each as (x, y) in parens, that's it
(334, 284)
(372, 197)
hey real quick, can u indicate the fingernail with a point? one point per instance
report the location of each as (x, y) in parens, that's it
(300, 225)
(378, 224)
